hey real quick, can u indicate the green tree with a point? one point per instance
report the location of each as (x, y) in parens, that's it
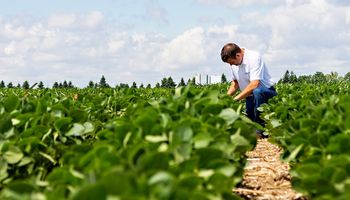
(70, 84)
(193, 81)
(182, 83)
(103, 82)
(164, 83)
(347, 77)
(304, 79)
(41, 85)
(319, 77)
(293, 78)
(65, 84)
(55, 85)
(332, 77)
(25, 85)
(2, 84)
(141, 86)
(91, 84)
(18, 85)
(223, 78)
(285, 78)
(189, 81)
(134, 85)
(157, 85)
(10, 85)
(148, 85)
(170, 82)
(124, 85)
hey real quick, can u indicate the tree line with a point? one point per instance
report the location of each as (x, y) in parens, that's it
(166, 82)
(318, 77)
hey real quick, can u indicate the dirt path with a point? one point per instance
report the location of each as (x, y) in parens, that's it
(266, 176)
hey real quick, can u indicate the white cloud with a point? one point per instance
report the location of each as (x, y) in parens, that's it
(228, 31)
(70, 20)
(347, 16)
(300, 35)
(10, 49)
(45, 57)
(93, 19)
(239, 3)
(117, 41)
(186, 49)
(63, 20)
(310, 40)
(12, 32)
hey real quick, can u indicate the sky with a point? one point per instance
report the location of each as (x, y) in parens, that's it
(147, 40)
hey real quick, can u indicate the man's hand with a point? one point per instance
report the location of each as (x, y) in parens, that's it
(248, 90)
(233, 88)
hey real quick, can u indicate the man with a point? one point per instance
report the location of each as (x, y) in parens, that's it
(251, 76)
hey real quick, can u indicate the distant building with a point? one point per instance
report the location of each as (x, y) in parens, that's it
(215, 79)
(207, 79)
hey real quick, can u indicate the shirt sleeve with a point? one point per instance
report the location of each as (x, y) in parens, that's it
(256, 69)
(233, 75)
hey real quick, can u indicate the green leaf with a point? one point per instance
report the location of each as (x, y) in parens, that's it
(47, 156)
(25, 161)
(13, 155)
(160, 177)
(3, 169)
(89, 127)
(76, 130)
(15, 121)
(229, 115)
(154, 161)
(219, 182)
(63, 123)
(190, 182)
(275, 123)
(309, 169)
(239, 141)
(5, 123)
(147, 120)
(294, 153)
(11, 103)
(119, 183)
(212, 109)
(184, 133)
(156, 138)
(78, 115)
(183, 152)
(208, 157)
(91, 192)
(202, 140)
(228, 170)
(21, 187)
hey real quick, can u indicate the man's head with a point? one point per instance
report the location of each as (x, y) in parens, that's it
(232, 54)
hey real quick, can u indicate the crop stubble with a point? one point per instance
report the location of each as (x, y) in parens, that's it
(266, 176)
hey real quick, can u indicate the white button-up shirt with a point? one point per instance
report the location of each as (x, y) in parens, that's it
(252, 68)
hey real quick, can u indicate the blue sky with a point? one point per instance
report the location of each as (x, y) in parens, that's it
(146, 40)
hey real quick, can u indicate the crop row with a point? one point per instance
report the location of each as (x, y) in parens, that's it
(144, 143)
(312, 123)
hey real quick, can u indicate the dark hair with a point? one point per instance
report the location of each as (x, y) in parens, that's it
(229, 51)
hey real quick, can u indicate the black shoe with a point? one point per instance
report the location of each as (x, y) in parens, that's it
(261, 135)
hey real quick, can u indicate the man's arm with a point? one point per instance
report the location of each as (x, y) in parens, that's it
(248, 90)
(233, 88)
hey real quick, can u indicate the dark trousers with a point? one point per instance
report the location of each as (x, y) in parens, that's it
(260, 95)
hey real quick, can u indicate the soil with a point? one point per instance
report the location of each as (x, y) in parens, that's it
(266, 176)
